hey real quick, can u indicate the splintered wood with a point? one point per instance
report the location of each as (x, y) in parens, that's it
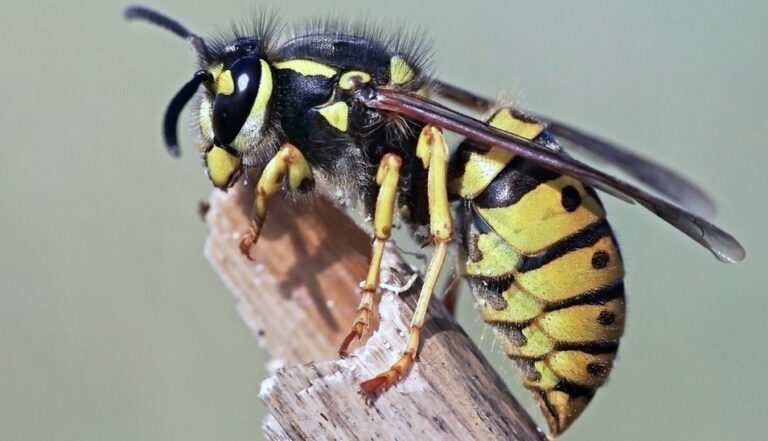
(299, 298)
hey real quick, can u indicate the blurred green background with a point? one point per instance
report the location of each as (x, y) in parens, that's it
(113, 326)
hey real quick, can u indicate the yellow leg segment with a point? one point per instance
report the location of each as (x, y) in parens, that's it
(433, 151)
(288, 163)
(387, 179)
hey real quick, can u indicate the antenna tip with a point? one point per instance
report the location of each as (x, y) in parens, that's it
(131, 11)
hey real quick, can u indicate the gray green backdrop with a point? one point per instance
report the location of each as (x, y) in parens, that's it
(113, 327)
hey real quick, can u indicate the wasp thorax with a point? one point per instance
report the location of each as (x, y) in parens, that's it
(243, 89)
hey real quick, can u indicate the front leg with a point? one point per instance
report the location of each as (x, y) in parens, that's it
(288, 161)
(433, 151)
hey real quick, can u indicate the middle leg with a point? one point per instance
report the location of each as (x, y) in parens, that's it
(433, 151)
(387, 178)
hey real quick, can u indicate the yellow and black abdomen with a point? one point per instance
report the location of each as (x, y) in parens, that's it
(544, 268)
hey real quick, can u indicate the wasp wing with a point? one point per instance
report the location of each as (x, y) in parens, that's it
(667, 182)
(721, 244)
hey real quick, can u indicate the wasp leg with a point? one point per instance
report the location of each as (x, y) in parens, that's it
(288, 163)
(387, 178)
(433, 151)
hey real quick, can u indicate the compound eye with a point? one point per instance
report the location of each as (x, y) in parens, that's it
(236, 90)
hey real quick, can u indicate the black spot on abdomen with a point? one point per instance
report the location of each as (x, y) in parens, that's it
(600, 259)
(570, 198)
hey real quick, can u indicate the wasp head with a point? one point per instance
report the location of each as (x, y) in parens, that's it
(235, 106)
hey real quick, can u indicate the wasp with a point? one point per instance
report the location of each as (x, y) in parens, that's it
(352, 111)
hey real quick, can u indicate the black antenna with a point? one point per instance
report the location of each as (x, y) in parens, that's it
(172, 113)
(182, 97)
(135, 12)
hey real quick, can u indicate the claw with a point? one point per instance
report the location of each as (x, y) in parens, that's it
(379, 383)
(356, 333)
(383, 381)
(249, 239)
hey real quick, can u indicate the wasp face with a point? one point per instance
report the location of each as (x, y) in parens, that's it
(243, 88)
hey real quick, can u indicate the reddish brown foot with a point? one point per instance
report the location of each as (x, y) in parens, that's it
(249, 240)
(383, 381)
(354, 334)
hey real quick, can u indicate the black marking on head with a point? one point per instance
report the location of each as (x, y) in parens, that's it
(517, 179)
(239, 48)
(583, 238)
(600, 259)
(255, 35)
(606, 318)
(363, 46)
(570, 198)
(296, 95)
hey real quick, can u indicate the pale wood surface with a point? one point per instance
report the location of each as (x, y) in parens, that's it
(299, 298)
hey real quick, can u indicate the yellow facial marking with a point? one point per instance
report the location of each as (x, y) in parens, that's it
(307, 67)
(337, 115)
(573, 274)
(399, 71)
(224, 83)
(221, 166)
(350, 79)
(539, 219)
(265, 89)
(204, 119)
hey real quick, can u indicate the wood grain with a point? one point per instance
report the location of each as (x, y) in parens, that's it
(299, 298)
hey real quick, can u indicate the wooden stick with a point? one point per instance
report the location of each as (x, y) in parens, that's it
(299, 298)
